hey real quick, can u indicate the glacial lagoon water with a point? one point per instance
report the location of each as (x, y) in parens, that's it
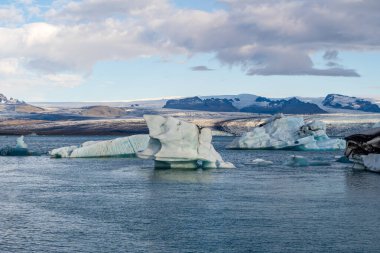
(125, 205)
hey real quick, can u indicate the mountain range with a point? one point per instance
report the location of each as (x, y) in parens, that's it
(258, 104)
(332, 103)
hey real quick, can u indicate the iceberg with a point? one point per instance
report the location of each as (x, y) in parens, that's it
(178, 144)
(21, 149)
(124, 146)
(363, 149)
(20, 143)
(280, 132)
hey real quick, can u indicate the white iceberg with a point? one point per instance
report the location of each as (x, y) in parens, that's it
(280, 132)
(20, 143)
(124, 146)
(178, 144)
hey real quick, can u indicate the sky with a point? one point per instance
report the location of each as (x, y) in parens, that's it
(119, 50)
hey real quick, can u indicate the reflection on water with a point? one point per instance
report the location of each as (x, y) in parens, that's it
(125, 205)
(358, 180)
(182, 175)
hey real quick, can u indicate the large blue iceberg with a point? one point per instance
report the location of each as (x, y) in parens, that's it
(280, 132)
(178, 144)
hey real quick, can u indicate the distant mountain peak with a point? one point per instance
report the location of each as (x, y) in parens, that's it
(206, 104)
(10, 101)
(288, 106)
(339, 101)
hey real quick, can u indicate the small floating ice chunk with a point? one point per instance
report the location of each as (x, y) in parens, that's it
(342, 159)
(125, 146)
(225, 165)
(259, 162)
(21, 143)
(21, 149)
(298, 161)
(178, 144)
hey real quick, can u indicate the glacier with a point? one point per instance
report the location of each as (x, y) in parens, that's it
(178, 144)
(124, 146)
(281, 132)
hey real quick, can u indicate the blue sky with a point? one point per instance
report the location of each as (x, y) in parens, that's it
(95, 50)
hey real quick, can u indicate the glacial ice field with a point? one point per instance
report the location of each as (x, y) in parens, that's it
(125, 205)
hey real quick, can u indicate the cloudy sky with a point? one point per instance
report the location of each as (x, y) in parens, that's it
(112, 50)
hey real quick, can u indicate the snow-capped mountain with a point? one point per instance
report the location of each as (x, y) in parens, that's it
(18, 106)
(287, 106)
(206, 104)
(239, 101)
(10, 101)
(352, 103)
(245, 103)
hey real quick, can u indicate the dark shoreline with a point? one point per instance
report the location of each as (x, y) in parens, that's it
(63, 133)
(74, 131)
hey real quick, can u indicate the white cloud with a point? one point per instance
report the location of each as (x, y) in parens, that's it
(14, 74)
(64, 80)
(9, 66)
(10, 15)
(263, 37)
(26, 2)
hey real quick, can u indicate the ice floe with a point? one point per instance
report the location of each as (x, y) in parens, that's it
(124, 146)
(178, 144)
(280, 132)
(259, 162)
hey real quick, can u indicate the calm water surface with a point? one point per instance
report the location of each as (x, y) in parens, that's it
(125, 205)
